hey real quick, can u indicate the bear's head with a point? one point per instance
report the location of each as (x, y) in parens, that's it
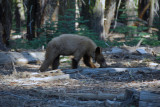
(99, 58)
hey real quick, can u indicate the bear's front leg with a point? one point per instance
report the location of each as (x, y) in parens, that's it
(87, 61)
(50, 56)
(45, 65)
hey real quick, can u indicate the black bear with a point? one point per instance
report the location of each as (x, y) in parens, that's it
(72, 44)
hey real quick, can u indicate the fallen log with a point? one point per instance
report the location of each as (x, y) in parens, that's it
(83, 96)
(112, 70)
(132, 49)
(148, 104)
(150, 97)
(110, 103)
(131, 96)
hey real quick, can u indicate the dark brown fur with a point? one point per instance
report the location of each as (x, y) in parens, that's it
(70, 44)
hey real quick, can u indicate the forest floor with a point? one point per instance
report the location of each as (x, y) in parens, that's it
(17, 89)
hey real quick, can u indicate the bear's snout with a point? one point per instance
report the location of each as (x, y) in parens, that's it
(103, 65)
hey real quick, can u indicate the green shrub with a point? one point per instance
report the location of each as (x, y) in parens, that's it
(67, 26)
(134, 33)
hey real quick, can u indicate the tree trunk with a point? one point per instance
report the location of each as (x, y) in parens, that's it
(19, 15)
(86, 12)
(143, 6)
(41, 13)
(159, 24)
(2, 45)
(98, 18)
(55, 12)
(31, 18)
(5, 23)
(41, 6)
(18, 20)
(151, 16)
(109, 16)
(131, 12)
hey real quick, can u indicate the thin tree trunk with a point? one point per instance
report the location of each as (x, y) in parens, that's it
(86, 12)
(77, 14)
(109, 16)
(142, 11)
(31, 18)
(18, 20)
(41, 13)
(159, 21)
(151, 17)
(19, 15)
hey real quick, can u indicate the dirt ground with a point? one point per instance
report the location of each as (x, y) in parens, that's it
(18, 90)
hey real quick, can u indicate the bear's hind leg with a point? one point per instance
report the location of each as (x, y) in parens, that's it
(55, 63)
(87, 61)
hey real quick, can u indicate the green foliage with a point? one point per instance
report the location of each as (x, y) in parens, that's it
(134, 33)
(158, 58)
(25, 44)
(84, 31)
(151, 42)
(65, 25)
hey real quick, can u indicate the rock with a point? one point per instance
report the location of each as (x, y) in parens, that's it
(141, 51)
(153, 64)
(115, 50)
(21, 58)
(5, 58)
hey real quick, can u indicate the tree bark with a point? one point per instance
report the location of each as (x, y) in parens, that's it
(18, 20)
(87, 12)
(5, 23)
(84, 96)
(151, 16)
(19, 15)
(55, 12)
(131, 12)
(142, 8)
(36, 17)
(41, 13)
(31, 18)
(159, 25)
(98, 18)
(109, 16)
(41, 6)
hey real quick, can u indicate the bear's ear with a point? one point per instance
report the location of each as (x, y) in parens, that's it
(98, 50)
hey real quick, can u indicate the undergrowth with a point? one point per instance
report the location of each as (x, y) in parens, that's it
(53, 29)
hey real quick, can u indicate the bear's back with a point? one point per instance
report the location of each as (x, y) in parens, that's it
(69, 43)
(73, 40)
